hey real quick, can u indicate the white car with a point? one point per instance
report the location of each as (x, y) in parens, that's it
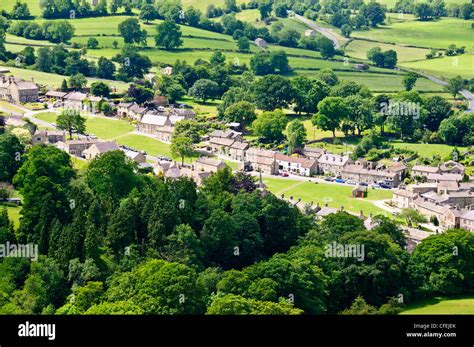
(351, 182)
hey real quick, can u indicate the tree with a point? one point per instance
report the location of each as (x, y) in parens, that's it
(92, 43)
(204, 89)
(148, 12)
(130, 31)
(272, 92)
(243, 44)
(181, 147)
(100, 89)
(20, 11)
(360, 113)
(28, 56)
(11, 156)
(409, 81)
(326, 47)
(105, 68)
(438, 109)
(455, 85)
(269, 126)
(308, 93)
(346, 30)
(331, 111)
(457, 129)
(140, 93)
(111, 175)
(328, 76)
(168, 35)
(296, 135)
(412, 217)
(189, 128)
(132, 63)
(171, 88)
(242, 112)
(77, 81)
(423, 11)
(71, 121)
(374, 13)
(231, 304)
(43, 60)
(60, 31)
(443, 264)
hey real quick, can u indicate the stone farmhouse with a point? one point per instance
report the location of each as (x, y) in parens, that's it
(297, 165)
(48, 137)
(99, 148)
(332, 164)
(17, 90)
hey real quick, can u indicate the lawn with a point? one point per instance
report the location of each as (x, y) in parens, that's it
(448, 67)
(13, 214)
(33, 5)
(79, 164)
(391, 3)
(441, 305)
(438, 34)
(103, 128)
(358, 49)
(427, 150)
(152, 146)
(332, 194)
(54, 81)
(6, 106)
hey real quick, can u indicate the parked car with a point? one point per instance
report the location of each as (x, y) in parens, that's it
(351, 182)
(385, 186)
(340, 180)
(365, 184)
(284, 174)
(375, 185)
(329, 179)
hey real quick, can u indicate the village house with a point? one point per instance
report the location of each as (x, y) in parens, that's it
(332, 164)
(313, 152)
(403, 198)
(466, 221)
(237, 150)
(399, 168)
(424, 171)
(55, 95)
(452, 167)
(17, 90)
(443, 177)
(422, 187)
(448, 217)
(309, 33)
(137, 157)
(100, 148)
(168, 71)
(221, 145)
(161, 167)
(48, 136)
(76, 147)
(360, 174)
(75, 101)
(209, 164)
(260, 160)
(296, 165)
(226, 134)
(131, 110)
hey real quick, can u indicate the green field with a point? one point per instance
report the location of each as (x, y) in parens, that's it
(33, 5)
(14, 214)
(332, 194)
(448, 67)
(440, 305)
(103, 128)
(427, 151)
(54, 81)
(152, 146)
(437, 34)
(358, 49)
(391, 3)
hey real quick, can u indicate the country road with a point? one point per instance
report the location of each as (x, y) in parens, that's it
(322, 31)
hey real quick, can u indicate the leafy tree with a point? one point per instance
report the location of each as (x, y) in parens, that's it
(237, 305)
(437, 109)
(111, 175)
(360, 113)
(100, 89)
(272, 92)
(92, 43)
(130, 31)
(171, 88)
(296, 135)
(374, 13)
(328, 76)
(442, 264)
(168, 35)
(140, 93)
(71, 121)
(409, 81)
(308, 93)
(242, 112)
(326, 47)
(423, 11)
(191, 129)
(346, 30)
(132, 63)
(11, 156)
(77, 81)
(455, 85)
(148, 12)
(269, 126)
(412, 217)
(360, 307)
(181, 147)
(243, 44)
(331, 111)
(20, 11)
(457, 130)
(204, 89)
